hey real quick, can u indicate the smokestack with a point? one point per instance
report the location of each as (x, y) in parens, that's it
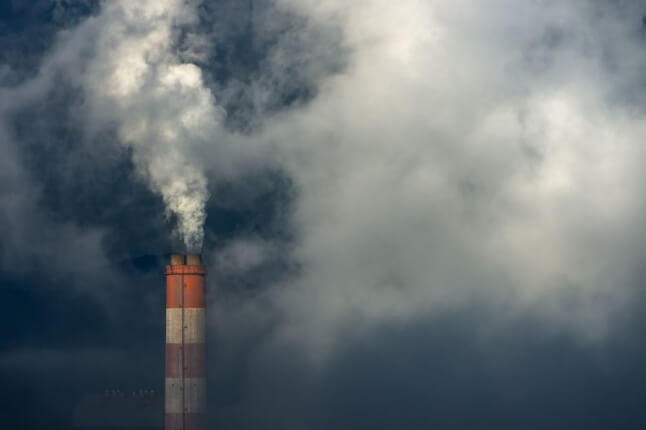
(185, 343)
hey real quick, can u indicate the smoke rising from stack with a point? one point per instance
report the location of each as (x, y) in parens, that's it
(497, 151)
(161, 106)
(461, 150)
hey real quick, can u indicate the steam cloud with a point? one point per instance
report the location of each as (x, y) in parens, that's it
(449, 150)
(480, 160)
(467, 151)
(162, 108)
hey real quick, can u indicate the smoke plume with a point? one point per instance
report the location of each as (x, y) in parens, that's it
(435, 152)
(161, 107)
(450, 220)
(465, 152)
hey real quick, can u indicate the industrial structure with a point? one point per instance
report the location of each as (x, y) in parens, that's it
(185, 400)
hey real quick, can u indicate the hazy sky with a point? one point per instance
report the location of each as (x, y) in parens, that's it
(414, 214)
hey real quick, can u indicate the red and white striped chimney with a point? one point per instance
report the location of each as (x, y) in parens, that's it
(185, 344)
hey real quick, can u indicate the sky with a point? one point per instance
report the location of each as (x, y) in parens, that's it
(414, 214)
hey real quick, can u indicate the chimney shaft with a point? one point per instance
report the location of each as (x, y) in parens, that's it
(185, 344)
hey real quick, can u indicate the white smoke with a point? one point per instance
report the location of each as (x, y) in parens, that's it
(161, 107)
(464, 150)
(469, 151)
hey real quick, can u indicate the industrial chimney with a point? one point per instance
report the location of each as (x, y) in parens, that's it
(185, 344)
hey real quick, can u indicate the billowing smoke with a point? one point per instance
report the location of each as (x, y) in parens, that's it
(477, 160)
(466, 152)
(161, 107)
(443, 152)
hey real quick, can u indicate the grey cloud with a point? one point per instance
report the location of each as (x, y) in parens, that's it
(453, 151)
(433, 159)
(442, 164)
